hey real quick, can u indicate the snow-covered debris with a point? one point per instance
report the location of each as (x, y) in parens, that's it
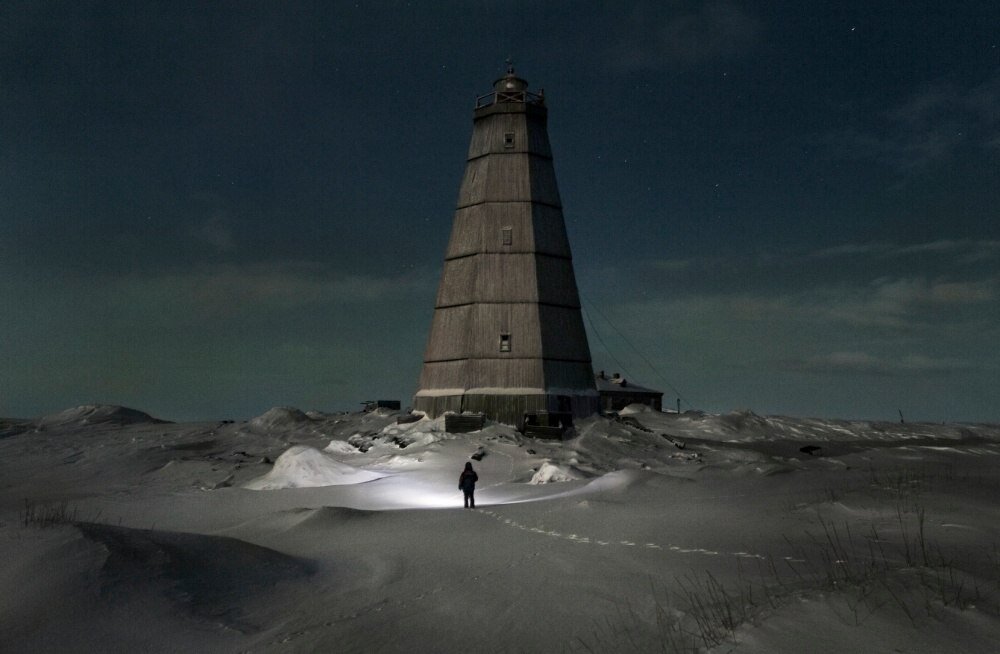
(550, 472)
(340, 447)
(305, 467)
(415, 438)
(401, 436)
(363, 442)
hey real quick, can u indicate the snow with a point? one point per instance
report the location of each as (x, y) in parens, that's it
(94, 414)
(548, 473)
(340, 448)
(439, 392)
(331, 532)
(281, 417)
(302, 466)
(633, 409)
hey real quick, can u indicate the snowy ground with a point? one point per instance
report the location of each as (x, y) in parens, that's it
(300, 532)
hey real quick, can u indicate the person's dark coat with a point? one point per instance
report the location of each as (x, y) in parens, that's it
(467, 482)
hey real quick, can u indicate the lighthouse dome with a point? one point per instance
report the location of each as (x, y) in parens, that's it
(510, 83)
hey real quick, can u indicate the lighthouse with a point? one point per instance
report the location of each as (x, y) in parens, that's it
(507, 337)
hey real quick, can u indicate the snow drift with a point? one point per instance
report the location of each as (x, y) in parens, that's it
(548, 473)
(113, 540)
(302, 466)
(96, 414)
(279, 417)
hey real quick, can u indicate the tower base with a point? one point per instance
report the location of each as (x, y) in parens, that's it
(508, 407)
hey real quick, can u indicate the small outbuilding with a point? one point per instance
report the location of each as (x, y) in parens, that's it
(617, 393)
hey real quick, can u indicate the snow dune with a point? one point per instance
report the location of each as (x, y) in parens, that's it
(95, 414)
(302, 466)
(331, 532)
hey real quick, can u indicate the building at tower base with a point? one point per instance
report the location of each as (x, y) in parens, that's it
(507, 337)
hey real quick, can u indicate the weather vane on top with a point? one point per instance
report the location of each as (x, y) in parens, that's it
(510, 66)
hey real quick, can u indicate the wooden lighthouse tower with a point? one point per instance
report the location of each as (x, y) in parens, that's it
(507, 338)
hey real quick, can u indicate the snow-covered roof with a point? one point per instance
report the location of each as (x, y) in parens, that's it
(614, 385)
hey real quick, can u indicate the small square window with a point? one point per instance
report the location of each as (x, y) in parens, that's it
(508, 140)
(506, 235)
(505, 342)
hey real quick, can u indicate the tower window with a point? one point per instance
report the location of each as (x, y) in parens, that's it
(505, 342)
(508, 140)
(506, 236)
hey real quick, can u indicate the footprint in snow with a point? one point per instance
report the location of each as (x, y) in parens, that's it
(576, 538)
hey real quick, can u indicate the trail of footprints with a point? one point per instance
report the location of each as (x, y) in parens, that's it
(576, 538)
(288, 637)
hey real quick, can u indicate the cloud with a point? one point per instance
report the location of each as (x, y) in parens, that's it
(895, 320)
(215, 232)
(902, 301)
(673, 265)
(905, 304)
(965, 251)
(660, 35)
(956, 268)
(874, 253)
(926, 128)
(219, 338)
(228, 290)
(906, 151)
(863, 363)
(849, 250)
(884, 288)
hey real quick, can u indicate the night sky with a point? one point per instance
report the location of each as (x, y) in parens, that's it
(209, 209)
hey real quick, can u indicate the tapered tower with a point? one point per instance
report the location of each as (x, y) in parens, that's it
(507, 336)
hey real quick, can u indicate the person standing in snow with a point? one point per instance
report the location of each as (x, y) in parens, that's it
(467, 484)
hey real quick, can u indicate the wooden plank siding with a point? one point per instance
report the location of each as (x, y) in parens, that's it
(534, 228)
(536, 331)
(492, 277)
(516, 177)
(529, 130)
(515, 277)
(550, 231)
(556, 282)
(508, 271)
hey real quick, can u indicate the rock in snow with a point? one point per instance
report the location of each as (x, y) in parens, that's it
(306, 467)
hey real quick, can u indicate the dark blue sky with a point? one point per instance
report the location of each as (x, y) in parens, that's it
(207, 209)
